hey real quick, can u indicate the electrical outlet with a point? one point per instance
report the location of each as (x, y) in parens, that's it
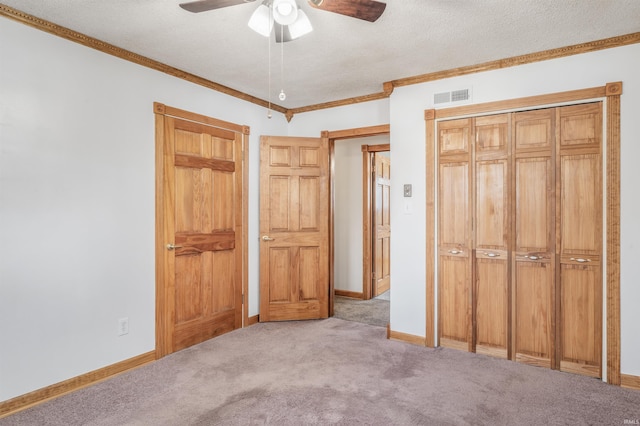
(123, 326)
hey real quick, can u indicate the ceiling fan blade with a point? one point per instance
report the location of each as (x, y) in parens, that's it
(204, 5)
(367, 10)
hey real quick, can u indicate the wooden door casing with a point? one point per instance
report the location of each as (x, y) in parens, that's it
(382, 224)
(200, 283)
(294, 258)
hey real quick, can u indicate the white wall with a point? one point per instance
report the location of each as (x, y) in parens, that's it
(77, 206)
(348, 211)
(77, 193)
(408, 156)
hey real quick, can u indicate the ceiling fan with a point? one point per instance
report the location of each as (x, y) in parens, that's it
(367, 10)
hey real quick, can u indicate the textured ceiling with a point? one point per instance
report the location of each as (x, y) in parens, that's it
(343, 57)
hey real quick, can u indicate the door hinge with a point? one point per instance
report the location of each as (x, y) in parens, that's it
(243, 298)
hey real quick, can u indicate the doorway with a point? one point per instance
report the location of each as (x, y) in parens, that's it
(348, 261)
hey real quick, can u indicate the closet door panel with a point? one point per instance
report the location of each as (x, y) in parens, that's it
(533, 299)
(491, 244)
(454, 235)
(580, 239)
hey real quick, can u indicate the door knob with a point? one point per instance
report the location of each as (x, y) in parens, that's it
(172, 247)
(267, 238)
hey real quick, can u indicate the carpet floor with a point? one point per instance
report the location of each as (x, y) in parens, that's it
(335, 372)
(372, 311)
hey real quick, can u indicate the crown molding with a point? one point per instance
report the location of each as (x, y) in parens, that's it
(387, 87)
(116, 51)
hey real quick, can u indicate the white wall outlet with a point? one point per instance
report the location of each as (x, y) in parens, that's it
(123, 326)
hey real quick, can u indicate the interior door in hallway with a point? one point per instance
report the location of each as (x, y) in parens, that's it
(294, 228)
(202, 236)
(381, 224)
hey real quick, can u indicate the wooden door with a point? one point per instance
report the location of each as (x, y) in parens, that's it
(534, 246)
(580, 239)
(454, 240)
(294, 218)
(492, 229)
(202, 236)
(381, 224)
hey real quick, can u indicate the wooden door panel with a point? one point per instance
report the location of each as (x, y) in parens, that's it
(580, 319)
(534, 212)
(581, 125)
(382, 227)
(279, 195)
(492, 135)
(581, 202)
(454, 136)
(491, 294)
(534, 304)
(454, 299)
(279, 274)
(454, 204)
(309, 209)
(294, 259)
(492, 202)
(309, 268)
(580, 239)
(534, 130)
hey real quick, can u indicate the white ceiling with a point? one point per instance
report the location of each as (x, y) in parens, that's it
(343, 57)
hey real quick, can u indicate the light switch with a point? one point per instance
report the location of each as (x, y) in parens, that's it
(407, 190)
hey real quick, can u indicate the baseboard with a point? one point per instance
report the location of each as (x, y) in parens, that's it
(351, 294)
(39, 396)
(253, 320)
(404, 337)
(629, 381)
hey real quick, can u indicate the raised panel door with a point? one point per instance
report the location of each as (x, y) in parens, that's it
(533, 259)
(454, 235)
(492, 222)
(206, 295)
(580, 239)
(382, 224)
(294, 200)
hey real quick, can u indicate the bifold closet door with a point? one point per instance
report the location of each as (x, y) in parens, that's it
(454, 249)
(580, 239)
(491, 254)
(533, 268)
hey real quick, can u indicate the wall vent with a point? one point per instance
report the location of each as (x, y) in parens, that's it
(442, 98)
(451, 97)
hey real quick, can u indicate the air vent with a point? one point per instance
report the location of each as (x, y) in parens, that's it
(442, 98)
(460, 95)
(451, 97)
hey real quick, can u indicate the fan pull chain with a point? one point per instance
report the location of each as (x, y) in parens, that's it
(269, 115)
(282, 96)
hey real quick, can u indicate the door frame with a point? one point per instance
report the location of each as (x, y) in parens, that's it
(333, 136)
(161, 111)
(610, 96)
(368, 185)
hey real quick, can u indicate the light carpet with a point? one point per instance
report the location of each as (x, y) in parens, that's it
(335, 372)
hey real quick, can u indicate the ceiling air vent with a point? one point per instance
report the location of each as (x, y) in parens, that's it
(451, 97)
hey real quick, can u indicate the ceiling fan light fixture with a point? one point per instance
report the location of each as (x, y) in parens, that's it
(261, 20)
(285, 12)
(301, 26)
